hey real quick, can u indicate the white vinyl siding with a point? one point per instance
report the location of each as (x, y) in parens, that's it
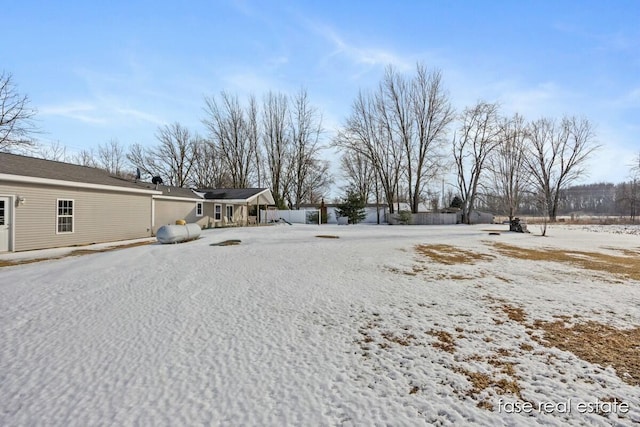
(98, 216)
(64, 216)
(168, 211)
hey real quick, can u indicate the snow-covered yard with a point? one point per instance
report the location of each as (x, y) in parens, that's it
(386, 325)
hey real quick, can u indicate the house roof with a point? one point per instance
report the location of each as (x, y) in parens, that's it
(14, 167)
(171, 191)
(239, 195)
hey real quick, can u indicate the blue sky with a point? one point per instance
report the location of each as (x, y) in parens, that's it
(117, 70)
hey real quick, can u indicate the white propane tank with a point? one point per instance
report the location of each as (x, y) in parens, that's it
(178, 233)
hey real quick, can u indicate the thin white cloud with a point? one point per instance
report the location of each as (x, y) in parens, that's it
(139, 115)
(250, 82)
(359, 55)
(277, 61)
(84, 112)
(541, 99)
(631, 99)
(615, 41)
(99, 113)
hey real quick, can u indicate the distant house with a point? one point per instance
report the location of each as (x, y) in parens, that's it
(48, 204)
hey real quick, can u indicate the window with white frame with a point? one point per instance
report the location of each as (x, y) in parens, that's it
(230, 213)
(217, 212)
(64, 216)
(198, 208)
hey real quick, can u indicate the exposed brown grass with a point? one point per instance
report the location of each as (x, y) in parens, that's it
(9, 263)
(450, 255)
(594, 342)
(445, 340)
(526, 347)
(506, 367)
(625, 251)
(597, 343)
(481, 381)
(327, 236)
(516, 314)
(626, 266)
(77, 252)
(485, 404)
(404, 340)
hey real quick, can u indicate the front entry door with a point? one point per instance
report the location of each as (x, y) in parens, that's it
(5, 222)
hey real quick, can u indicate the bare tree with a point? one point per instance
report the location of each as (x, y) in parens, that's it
(628, 193)
(628, 198)
(394, 114)
(401, 129)
(477, 138)
(276, 140)
(112, 157)
(16, 117)
(557, 156)
(634, 171)
(227, 124)
(208, 170)
(85, 158)
(432, 114)
(366, 134)
(142, 159)
(172, 159)
(417, 112)
(359, 173)
(309, 174)
(253, 136)
(315, 186)
(507, 166)
(54, 151)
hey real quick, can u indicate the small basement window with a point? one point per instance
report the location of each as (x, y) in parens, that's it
(64, 216)
(198, 208)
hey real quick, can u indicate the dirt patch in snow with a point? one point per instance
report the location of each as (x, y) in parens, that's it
(627, 266)
(232, 242)
(327, 236)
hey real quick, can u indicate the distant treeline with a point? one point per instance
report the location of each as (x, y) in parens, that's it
(602, 198)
